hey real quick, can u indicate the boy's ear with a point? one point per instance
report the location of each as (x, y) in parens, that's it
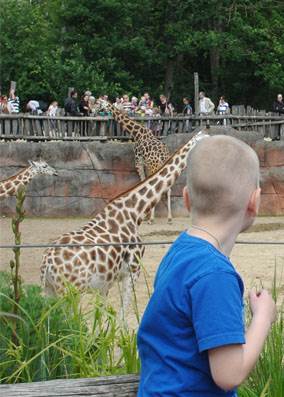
(186, 198)
(254, 203)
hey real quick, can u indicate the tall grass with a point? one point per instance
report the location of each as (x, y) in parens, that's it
(56, 339)
(267, 379)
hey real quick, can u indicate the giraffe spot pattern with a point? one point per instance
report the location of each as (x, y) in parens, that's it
(101, 269)
(120, 217)
(67, 255)
(68, 267)
(141, 205)
(65, 240)
(84, 257)
(113, 226)
(159, 186)
(102, 255)
(150, 194)
(153, 181)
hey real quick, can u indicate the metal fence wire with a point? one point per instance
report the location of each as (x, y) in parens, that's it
(124, 244)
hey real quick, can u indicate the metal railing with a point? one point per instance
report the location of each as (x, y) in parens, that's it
(123, 244)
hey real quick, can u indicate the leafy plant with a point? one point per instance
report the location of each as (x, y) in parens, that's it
(57, 339)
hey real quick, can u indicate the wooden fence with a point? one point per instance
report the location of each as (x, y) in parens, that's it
(25, 126)
(111, 386)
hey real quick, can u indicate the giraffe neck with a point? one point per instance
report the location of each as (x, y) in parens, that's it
(136, 130)
(10, 187)
(148, 193)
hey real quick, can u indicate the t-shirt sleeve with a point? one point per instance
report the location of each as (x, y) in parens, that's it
(217, 310)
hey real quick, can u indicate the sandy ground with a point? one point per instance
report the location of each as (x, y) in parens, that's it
(255, 263)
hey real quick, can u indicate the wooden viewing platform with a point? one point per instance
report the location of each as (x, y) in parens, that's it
(38, 128)
(110, 386)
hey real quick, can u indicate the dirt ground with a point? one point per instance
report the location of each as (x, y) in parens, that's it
(255, 263)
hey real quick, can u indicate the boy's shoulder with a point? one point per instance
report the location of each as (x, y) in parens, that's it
(191, 258)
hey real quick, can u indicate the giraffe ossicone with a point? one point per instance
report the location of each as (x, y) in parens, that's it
(11, 185)
(96, 266)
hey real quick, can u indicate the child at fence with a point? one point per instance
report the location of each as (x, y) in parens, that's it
(52, 109)
(191, 339)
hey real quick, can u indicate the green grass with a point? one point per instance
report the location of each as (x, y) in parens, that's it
(267, 379)
(57, 340)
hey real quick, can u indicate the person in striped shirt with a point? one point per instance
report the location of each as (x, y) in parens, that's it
(13, 102)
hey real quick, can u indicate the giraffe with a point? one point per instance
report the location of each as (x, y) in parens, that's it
(10, 186)
(99, 267)
(150, 152)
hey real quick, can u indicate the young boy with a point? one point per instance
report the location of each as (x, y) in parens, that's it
(192, 340)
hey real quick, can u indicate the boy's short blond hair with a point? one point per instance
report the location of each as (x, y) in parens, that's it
(222, 173)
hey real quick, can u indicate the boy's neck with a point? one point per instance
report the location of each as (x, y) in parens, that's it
(218, 233)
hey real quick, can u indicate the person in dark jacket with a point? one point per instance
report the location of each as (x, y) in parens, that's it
(84, 105)
(71, 106)
(278, 107)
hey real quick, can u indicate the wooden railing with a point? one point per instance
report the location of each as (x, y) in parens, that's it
(111, 386)
(25, 126)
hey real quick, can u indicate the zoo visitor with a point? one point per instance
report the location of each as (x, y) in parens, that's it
(192, 339)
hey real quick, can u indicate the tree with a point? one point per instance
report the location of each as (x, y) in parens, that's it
(128, 46)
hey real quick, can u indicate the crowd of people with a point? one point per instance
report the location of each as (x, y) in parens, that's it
(87, 105)
(132, 106)
(145, 106)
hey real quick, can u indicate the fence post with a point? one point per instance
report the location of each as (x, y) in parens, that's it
(281, 131)
(262, 127)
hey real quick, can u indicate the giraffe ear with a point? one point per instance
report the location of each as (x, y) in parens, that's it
(186, 198)
(31, 162)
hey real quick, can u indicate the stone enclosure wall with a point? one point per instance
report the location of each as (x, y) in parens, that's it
(92, 173)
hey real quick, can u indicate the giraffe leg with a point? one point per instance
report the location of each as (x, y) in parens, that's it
(140, 169)
(127, 286)
(169, 206)
(152, 213)
(129, 281)
(139, 165)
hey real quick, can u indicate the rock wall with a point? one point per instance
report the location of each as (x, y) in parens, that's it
(90, 174)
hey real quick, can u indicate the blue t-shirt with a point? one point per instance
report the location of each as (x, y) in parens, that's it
(197, 305)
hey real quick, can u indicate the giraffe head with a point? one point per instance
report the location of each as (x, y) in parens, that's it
(102, 105)
(41, 168)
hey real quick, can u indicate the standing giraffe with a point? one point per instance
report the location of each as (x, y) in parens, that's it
(150, 152)
(10, 186)
(96, 266)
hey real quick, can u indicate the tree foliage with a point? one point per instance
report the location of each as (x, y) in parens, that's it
(115, 46)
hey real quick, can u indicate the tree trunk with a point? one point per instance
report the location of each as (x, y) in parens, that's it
(169, 77)
(215, 60)
(214, 68)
